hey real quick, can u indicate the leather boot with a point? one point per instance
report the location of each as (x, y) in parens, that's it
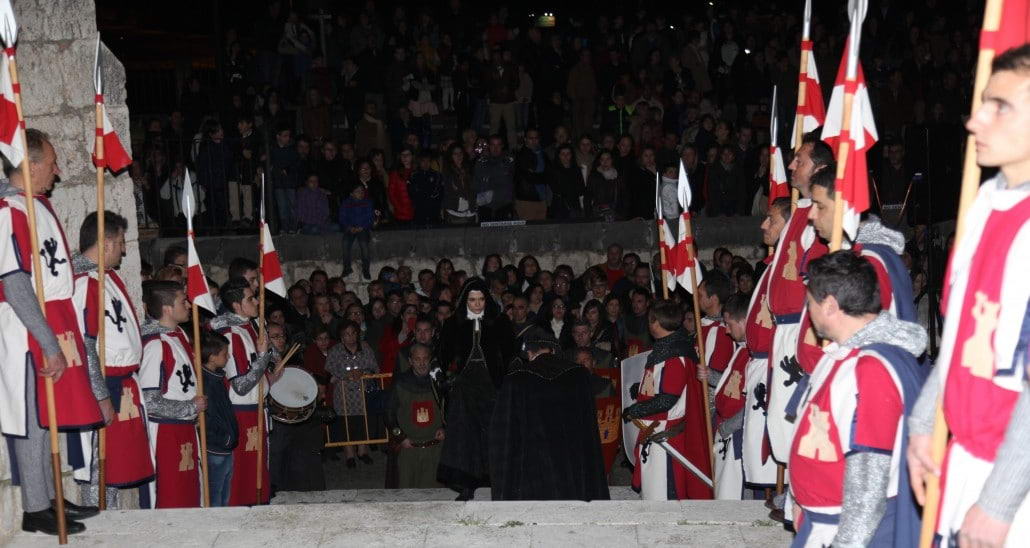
(74, 511)
(45, 521)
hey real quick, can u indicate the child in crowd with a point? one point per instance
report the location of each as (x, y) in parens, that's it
(356, 220)
(313, 208)
(222, 430)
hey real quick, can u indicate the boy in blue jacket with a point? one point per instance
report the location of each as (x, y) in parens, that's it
(222, 430)
(356, 222)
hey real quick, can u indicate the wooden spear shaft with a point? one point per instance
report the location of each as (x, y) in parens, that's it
(970, 185)
(837, 236)
(700, 343)
(101, 302)
(37, 275)
(799, 119)
(661, 255)
(261, 379)
(198, 373)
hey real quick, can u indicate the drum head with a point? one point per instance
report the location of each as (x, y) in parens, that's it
(296, 388)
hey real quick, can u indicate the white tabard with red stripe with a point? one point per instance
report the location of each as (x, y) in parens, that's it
(985, 298)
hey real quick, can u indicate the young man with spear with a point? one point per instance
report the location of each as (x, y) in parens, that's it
(978, 390)
(128, 460)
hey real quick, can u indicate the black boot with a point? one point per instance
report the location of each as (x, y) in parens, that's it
(467, 493)
(74, 511)
(45, 521)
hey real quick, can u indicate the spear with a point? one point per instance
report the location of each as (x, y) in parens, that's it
(261, 334)
(10, 34)
(98, 151)
(198, 368)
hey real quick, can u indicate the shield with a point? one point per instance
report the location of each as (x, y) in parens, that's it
(632, 373)
(609, 415)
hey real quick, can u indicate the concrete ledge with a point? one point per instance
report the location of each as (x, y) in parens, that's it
(610, 523)
(577, 244)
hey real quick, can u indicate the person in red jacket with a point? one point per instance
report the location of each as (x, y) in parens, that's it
(397, 188)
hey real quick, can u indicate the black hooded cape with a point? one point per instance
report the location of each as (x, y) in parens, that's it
(544, 442)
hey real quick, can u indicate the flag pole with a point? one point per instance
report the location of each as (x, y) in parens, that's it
(198, 373)
(970, 184)
(799, 118)
(37, 274)
(261, 334)
(101, 299)
(693, 266)
(837, 236)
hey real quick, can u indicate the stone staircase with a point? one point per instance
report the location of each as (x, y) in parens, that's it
(431, 518)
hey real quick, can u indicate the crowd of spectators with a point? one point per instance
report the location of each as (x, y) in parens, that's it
(453, 113)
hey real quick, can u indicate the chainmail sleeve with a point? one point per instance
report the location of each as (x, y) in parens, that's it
(245, 383)
(866, 475)
(159, 407)
(96, 379)
(660, 403)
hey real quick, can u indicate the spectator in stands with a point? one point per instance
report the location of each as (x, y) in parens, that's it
(357, 219)
(426, 190)
(313, 208)
(215, 169)
(285, 165)
(493, 182)
(567, 186)
(531, 191)
(459, 199)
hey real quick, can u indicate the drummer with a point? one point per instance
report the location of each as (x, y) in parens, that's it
(222, 431)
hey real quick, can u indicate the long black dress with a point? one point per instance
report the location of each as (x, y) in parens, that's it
(544, 441)
(478, 351)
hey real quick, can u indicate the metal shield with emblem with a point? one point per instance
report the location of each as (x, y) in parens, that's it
(632, 373)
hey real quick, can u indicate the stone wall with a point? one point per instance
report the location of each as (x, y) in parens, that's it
(55, 61)
(579, 245)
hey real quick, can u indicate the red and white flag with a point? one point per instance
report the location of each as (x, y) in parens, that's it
(860, 135)
(11, 128)
(684, 248)
(197, 290)
(271, 268)
(778, 187)
(666, 241)
(812, 111)
(1013, 31)
(114, 158)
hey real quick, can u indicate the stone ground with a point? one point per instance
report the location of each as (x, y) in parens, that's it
(465, 524)
(339, 477)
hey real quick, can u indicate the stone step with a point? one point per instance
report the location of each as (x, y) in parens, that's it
(465, 524)
(346, 496)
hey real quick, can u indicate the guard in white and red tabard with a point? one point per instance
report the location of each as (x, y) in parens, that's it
(169, 388)
(249, 358)
(797, 245)
(849, 485)
(669, 397)
(982, 366)
(729, 406)
(712, 294)
(33, 347)
(759, 466)
(129, 461)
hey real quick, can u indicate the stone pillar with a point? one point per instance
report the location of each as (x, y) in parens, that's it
(56, 44)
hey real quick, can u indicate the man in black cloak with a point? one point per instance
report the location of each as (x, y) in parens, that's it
(476, 346)
(544, 440)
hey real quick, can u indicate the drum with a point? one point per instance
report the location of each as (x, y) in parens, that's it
(292, 397)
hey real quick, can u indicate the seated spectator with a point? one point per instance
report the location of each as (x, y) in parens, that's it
(398, 189)
(604, 189)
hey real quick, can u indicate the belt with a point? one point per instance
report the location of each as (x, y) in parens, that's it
(424, 444)
(784, 319)
(760, 355)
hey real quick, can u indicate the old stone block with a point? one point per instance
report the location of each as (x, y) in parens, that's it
(46, 20)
